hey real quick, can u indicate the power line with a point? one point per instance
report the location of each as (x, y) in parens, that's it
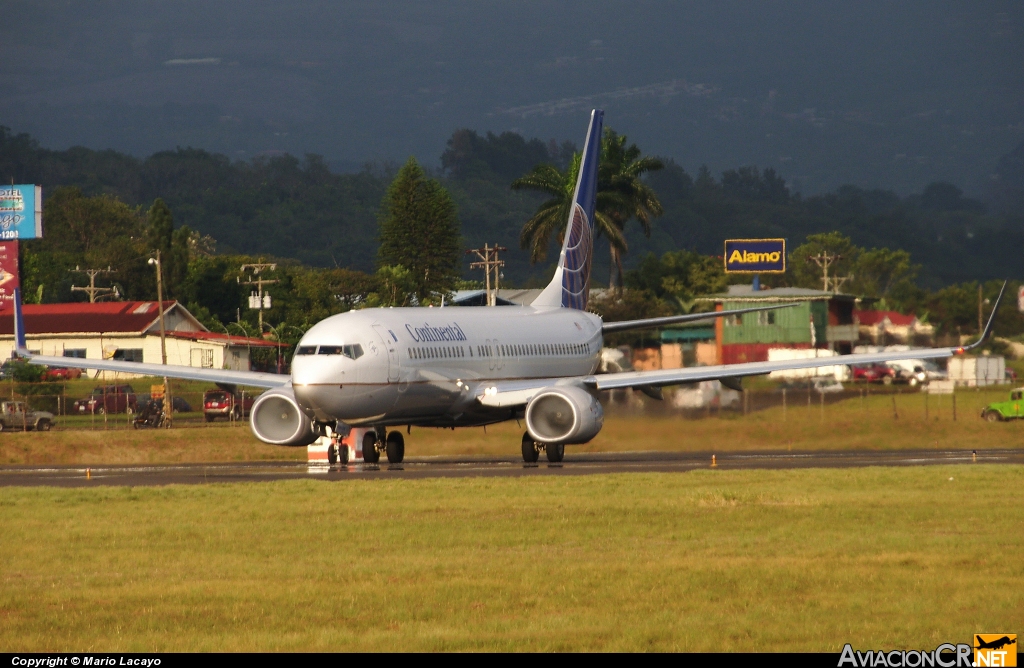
(258, 300)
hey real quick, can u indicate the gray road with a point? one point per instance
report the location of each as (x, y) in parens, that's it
(455, 467)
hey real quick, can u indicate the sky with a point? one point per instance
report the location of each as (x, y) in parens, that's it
(878, 94)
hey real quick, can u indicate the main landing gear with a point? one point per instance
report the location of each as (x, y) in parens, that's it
(393, 445)
(555, 452)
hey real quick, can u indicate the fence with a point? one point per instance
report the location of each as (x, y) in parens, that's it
(897, 403)
(113, 409)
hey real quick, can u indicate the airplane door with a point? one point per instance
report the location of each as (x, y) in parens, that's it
(390, 342)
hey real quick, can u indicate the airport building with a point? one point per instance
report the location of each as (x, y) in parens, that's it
(128, 331)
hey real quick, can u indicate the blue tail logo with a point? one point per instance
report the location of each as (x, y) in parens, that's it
(19, 325)
(570, 287)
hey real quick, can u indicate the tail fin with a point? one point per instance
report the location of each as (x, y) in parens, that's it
(20, 347)
(570, 287)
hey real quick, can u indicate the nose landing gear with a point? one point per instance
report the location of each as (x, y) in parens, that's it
(555, 452)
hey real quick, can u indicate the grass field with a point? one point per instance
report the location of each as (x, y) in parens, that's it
(853, 423)
(709, 560)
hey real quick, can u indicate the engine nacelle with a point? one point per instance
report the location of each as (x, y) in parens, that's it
(564, 415)
(276, 418)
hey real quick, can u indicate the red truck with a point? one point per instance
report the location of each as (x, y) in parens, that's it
(224, 404)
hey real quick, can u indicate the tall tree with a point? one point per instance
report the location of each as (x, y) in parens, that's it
(552, 216)
(621, 172)
(419, 230)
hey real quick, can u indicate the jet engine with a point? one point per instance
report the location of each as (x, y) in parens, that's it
(277, 419)
(564, 415)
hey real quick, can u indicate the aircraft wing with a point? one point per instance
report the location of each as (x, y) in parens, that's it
(225, 376)
(222, 376)
(665, 377)
(512, 393)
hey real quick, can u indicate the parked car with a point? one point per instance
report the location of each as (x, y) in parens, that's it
(916, 372)
(873, 373)
(16, 415)
(107, 399)
(224, 404)
(61, 373)
(1006, 410)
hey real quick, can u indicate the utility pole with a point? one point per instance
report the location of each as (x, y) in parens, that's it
(92, 290)
(258, 300)
(168, 400)
(823, 260)
(489, 262)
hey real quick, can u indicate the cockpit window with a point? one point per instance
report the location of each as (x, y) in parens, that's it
(354, 351)
(305, 350)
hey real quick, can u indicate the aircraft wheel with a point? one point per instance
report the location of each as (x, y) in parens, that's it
(555, 452)
(370, 454)
(395, 447)
(993, 416)
(530, 454)
(332, 454)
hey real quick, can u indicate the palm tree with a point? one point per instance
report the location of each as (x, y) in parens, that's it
(620, 173)
(553, 215)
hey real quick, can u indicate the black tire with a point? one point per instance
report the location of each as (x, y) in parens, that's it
(530, 454)
(43, 425)
(342, 454)
(555, 452)
(395, 447)
(208, 418)
(993, 416)
(370, 454)
(136, 424)
(236, 414)
(332, 454)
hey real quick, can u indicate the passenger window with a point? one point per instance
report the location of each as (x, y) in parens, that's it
(1016, 396)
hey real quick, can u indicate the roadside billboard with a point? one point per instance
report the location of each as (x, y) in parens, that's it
(755, 256)
(21, 212)
(8, 273)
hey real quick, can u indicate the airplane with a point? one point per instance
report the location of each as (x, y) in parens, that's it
(386, 368)
(998, 643)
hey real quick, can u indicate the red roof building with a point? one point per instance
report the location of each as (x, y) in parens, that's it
(129, 331)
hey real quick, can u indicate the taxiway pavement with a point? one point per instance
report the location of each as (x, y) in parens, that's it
(480, 466)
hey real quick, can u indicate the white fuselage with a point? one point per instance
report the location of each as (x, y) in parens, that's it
(427, 366)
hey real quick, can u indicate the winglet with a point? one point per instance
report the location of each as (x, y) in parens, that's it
(987, 332)
(20, 347)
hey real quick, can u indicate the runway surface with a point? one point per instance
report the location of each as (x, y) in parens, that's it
(469, 466)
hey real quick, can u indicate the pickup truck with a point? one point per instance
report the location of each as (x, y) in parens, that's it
(1006, 410)
(16, 415)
